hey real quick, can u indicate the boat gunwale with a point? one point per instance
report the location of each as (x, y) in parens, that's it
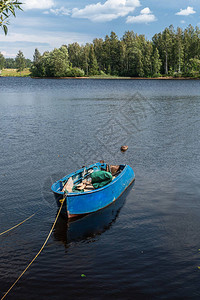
(96, 190)
(70, 175)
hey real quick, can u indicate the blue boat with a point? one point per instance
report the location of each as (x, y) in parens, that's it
(80, 203)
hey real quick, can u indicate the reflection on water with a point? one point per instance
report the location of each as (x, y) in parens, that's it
(91, 225)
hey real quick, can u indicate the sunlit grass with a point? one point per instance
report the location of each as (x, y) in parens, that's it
(14, 73)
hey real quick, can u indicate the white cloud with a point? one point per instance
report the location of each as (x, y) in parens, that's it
(183, 22)
(44, 41)
(145, 16)
(60, 11)
(37, 4)
(52, 39)
(6, 54)
(186, 12)
(141, 19)
(145, 11)
(108, 11)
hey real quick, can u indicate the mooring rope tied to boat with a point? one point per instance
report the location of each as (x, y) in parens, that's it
(17, 224)
(62, 202)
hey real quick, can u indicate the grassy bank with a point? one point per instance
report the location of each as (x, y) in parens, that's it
(146, 78)
(14, 73)
(26, 73)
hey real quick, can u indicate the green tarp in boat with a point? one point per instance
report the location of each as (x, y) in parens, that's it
(100, 178)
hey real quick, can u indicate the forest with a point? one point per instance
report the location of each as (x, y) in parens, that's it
(172, 52)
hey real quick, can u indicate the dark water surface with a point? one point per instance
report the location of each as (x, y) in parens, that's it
(146, 245)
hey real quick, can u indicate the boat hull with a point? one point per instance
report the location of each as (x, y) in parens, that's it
(85, 228)
(77, 204)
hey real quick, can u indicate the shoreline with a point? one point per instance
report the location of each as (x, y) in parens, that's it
(112, 78)
(122, 78)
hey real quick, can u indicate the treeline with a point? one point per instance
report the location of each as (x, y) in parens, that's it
(173, 52)
(133, 55)
(10, 63)
(19, 62)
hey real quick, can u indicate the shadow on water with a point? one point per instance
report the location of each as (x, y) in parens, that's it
(91, 225)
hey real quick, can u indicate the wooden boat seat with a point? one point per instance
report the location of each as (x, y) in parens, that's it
(88, 188)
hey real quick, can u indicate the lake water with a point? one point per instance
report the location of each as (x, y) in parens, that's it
(146, 245)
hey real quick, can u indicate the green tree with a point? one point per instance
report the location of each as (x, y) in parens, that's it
(189, 46)
(196, 42)
(36, 56)
(114, 54)
(98, 51)
(42, 69)
(106, 55)
(7, 8)
(93, 65)
(129, 49)
(122, 67)
(139, 65)
(28, 63)
(74, 51)
(2, 61)
(36, 67)
(51, 64)
(194, 67)
(10, 63)
(84, 61)
(75, 72)
(178, 50)
(58, 62)
(156, 62)
(20, 61)
(167, 46)
(147, 58)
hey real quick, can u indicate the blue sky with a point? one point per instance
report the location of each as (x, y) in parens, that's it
(48, 24)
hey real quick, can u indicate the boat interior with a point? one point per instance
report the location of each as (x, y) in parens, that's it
(80, 180)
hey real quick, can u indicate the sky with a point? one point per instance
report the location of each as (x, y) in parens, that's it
(49, 24)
